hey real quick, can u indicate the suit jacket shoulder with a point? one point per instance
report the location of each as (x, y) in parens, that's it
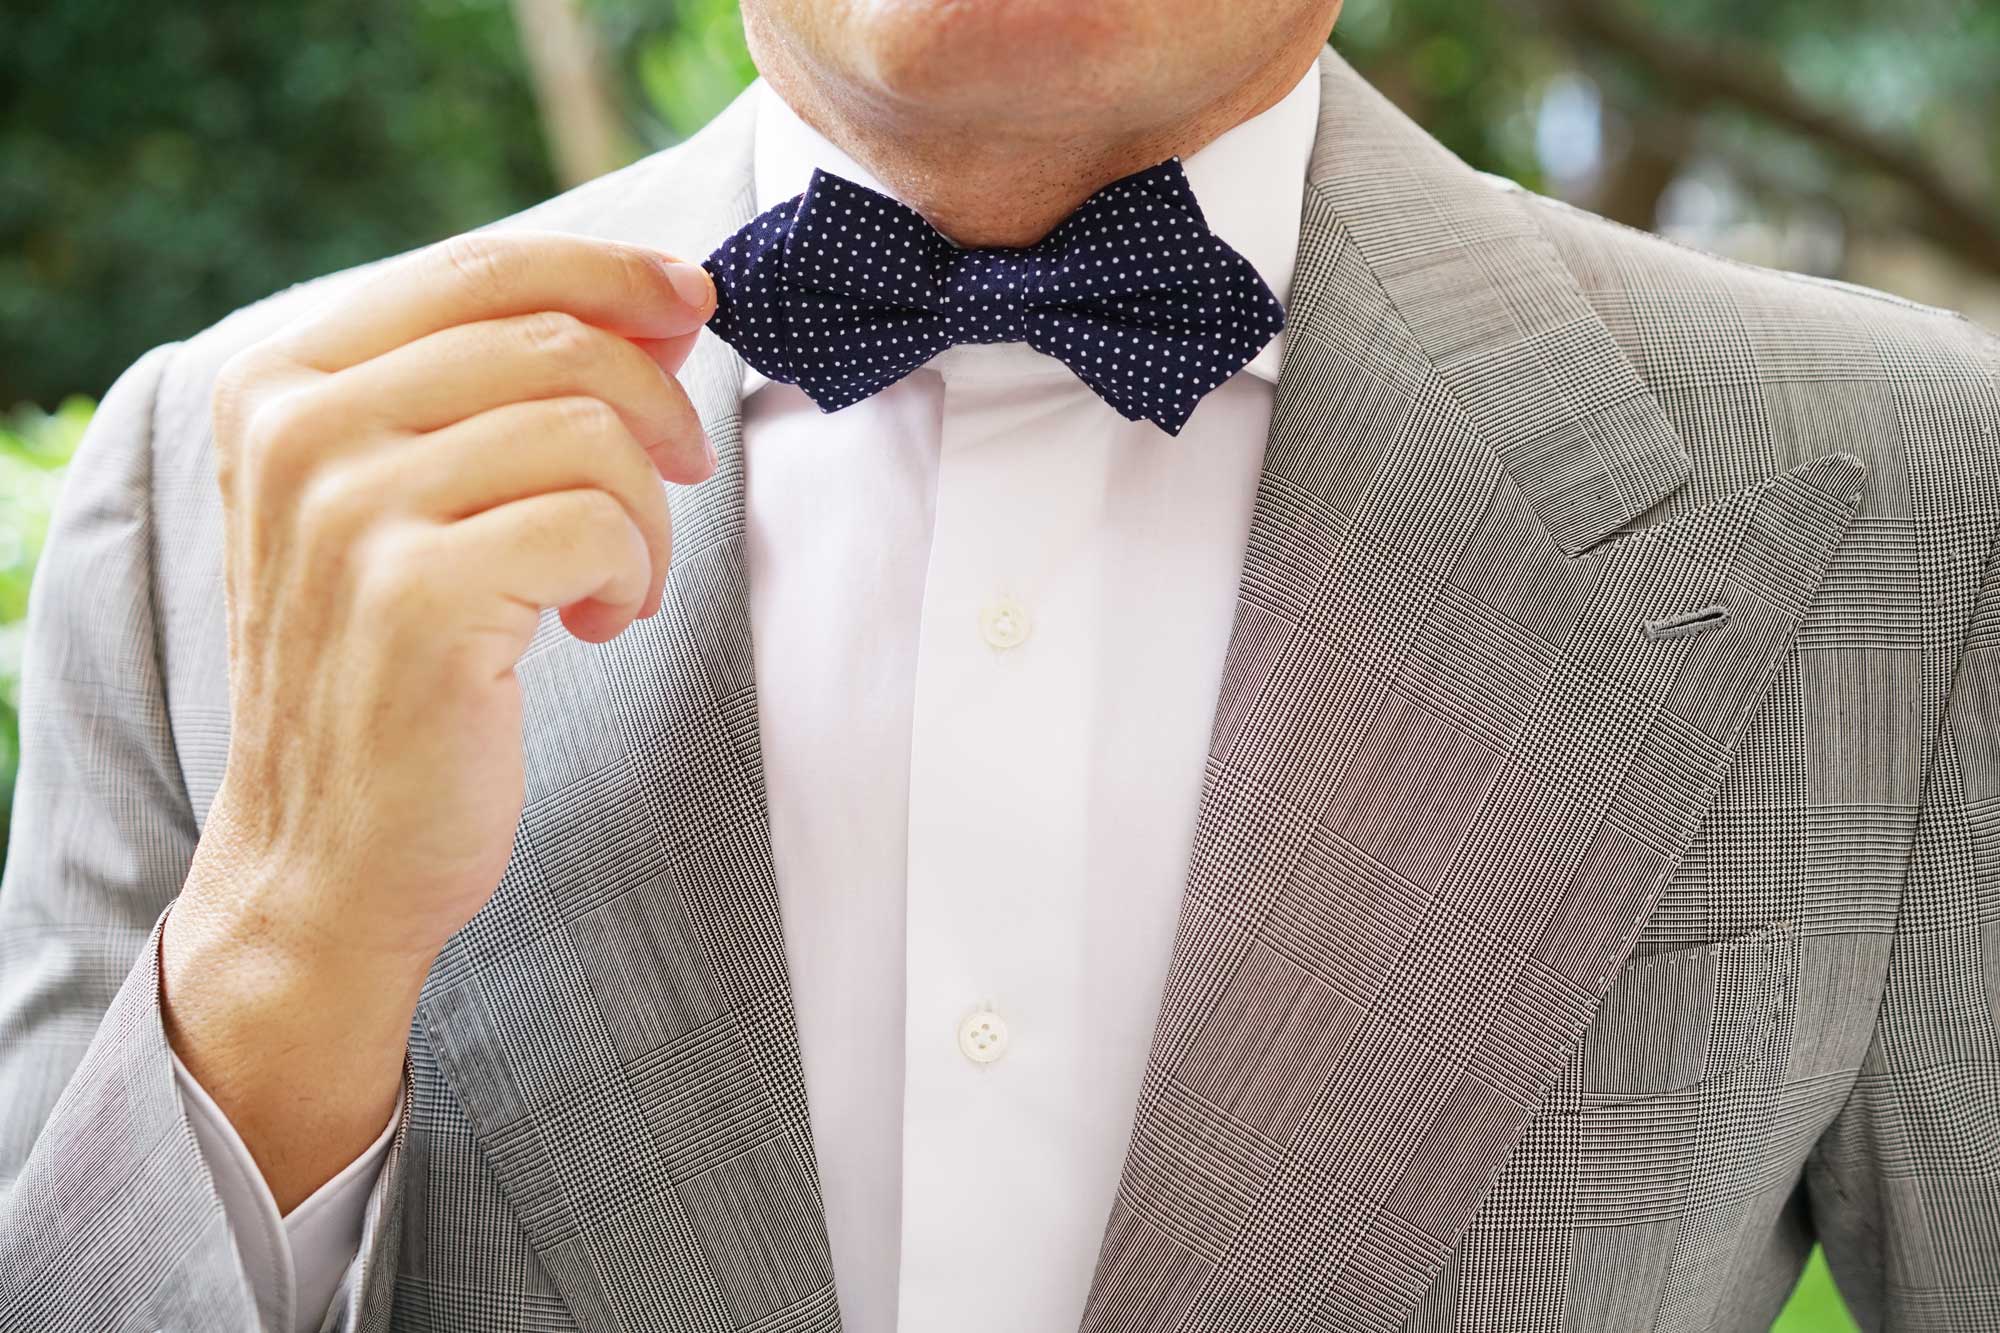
(1758, 367)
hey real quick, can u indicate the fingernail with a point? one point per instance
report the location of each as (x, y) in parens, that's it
(708, 447)
(691, 284)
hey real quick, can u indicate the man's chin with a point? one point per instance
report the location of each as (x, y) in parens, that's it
(978, 58)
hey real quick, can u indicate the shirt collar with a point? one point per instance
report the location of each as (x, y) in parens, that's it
(1250, 183)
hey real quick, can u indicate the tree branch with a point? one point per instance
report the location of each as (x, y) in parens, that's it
(579, 115)
(1631, 191)
(1690, 74)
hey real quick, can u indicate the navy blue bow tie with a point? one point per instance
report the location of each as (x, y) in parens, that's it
(843, 291)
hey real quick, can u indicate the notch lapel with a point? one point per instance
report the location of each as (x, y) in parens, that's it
(1450, 771)
(617, 1022)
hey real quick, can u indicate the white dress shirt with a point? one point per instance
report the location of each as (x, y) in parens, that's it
(989, 617)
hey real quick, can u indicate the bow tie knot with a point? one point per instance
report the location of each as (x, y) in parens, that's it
(843, 291)
(987, 299)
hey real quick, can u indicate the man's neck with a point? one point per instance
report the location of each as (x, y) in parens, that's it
(982, 188)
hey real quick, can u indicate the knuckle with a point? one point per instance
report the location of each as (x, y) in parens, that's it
(335, 501)
(271, 422)
(483, 264)
(234, 381)
(591, 418)
(556, 334)
(234, 395)
(641, 275)
(599, 521)
(227, 476)
(391, 576)
(276, 436)
(599, 509)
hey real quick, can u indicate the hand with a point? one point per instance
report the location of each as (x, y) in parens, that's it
(409, 477)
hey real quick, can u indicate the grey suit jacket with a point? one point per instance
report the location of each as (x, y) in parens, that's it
(1596, 897)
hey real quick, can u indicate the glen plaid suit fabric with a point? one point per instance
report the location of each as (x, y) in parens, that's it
(1534, 972)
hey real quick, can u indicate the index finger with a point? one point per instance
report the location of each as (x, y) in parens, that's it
(626, 289)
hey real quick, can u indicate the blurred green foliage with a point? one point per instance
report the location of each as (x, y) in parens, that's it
(35, 446)
(677, 64)
(1816, 1306)
(166, 164)
(1921, 73)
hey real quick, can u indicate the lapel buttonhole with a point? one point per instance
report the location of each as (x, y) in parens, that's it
(1687, 622)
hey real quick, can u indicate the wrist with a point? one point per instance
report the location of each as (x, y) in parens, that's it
(286, 905)
(300, 1045)
(239, 986)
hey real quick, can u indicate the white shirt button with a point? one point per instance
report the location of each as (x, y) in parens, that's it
(982, 1037)
(1004, 622)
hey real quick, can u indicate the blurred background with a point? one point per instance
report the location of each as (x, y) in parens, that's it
(163, 165)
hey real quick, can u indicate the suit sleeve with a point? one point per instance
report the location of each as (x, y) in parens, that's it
(1904, 1187)
(300, 1261)
(109, 1215)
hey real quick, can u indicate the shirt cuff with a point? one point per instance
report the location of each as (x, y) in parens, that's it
(297, 1263)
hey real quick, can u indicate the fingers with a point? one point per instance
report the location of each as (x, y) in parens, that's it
(669, 354)
(524, 449)
(575, 549)
(515, 390)
(460, 372)
(625, 289)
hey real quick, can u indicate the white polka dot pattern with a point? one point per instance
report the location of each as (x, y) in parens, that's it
(843, 291)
